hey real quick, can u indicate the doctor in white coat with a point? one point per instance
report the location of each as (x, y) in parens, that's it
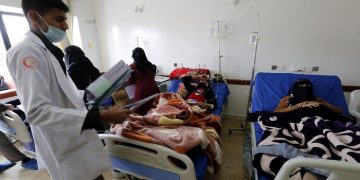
(66, 143)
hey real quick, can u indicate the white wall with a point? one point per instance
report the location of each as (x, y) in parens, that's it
(237, 101)
(174, 31)
(322, 33)
(84, 11)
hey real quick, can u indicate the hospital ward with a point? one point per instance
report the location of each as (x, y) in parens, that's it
(179, 90)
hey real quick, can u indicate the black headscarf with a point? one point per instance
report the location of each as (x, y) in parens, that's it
(301, 91)
(79, 67)
(73, 54)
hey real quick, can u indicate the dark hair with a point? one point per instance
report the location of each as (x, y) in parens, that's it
(141, 61)
(43, 6)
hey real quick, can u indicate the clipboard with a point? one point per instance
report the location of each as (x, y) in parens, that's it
(137, 104)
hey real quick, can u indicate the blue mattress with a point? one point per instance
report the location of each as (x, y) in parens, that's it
(269, 88)
(174, 85)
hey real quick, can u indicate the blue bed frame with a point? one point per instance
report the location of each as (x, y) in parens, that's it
(269, 88)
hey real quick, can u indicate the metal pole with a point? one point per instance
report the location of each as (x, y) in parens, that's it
(252, 74)
(245, 125)
(219, 44)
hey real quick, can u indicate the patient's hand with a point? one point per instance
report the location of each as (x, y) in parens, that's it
(115, 114)
(310, 104)
(10, 106)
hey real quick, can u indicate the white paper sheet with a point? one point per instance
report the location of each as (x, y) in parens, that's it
(130, 91)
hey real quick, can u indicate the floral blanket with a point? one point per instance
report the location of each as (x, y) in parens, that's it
(175, 124)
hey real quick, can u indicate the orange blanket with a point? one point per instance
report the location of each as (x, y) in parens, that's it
(175, 124)
(179, 138)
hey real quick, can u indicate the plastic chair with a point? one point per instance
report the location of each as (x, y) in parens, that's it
(354, 104)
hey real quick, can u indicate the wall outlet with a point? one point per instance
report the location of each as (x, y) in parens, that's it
(315, 69)
(297, 68)
(274, 67)
(308, 69)
(281, 68)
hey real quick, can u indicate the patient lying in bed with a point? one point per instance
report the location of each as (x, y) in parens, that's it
(306, 126)
(175, 124)
(196, 89)
(301, 95)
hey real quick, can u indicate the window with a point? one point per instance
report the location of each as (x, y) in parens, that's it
(13, 26)
(3, 67)
(16, 27)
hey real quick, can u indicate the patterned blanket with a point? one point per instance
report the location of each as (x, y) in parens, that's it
(175, 124)
(305, 133)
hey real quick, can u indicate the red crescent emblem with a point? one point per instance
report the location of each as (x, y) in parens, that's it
(30, 63)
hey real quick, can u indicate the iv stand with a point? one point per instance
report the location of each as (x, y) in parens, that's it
(255, 41)
(137, 41)
(219, 43)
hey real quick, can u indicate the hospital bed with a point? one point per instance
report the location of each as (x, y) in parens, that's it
(151, 161)
(221, 91)
(146, 160)
(269, 88)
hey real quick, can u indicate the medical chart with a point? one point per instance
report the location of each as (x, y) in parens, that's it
(101, 89)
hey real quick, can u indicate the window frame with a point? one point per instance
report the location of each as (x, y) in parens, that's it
(3, 30)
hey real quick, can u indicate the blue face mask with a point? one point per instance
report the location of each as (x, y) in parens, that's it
(53, 34)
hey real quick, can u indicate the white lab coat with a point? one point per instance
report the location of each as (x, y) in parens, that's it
(56, 114)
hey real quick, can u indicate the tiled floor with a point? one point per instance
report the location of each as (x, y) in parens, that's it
(232, 169)
(232, 148)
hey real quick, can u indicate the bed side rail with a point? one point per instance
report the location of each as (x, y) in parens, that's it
(338, 169)
(149, 154)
